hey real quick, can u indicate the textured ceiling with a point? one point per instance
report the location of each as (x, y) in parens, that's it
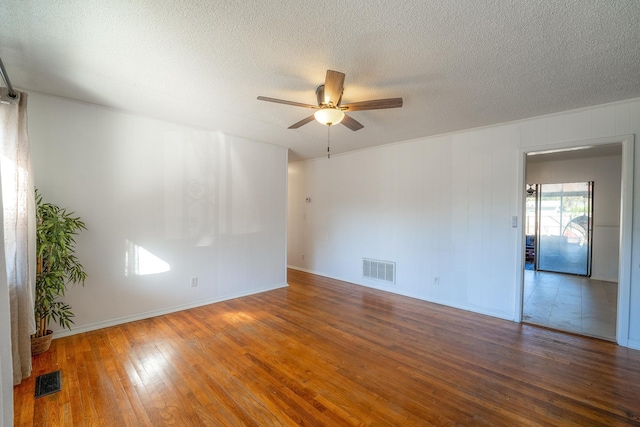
(458, 64)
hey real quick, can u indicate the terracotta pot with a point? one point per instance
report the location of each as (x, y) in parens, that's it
(41, 344)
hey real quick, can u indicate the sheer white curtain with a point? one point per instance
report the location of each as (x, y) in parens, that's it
(6, 376)
(19, 228)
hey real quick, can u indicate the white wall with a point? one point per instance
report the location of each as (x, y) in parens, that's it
(438, 207)
(441, 207)
(605, 171)
(163, 203)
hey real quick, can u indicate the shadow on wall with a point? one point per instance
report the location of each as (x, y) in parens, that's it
(206, 191)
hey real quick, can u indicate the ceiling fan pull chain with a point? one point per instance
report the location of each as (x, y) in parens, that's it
(328, 141)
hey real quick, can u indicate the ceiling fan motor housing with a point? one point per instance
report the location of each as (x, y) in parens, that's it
(320, 97)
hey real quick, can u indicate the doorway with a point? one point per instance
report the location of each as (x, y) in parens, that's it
(567, 285)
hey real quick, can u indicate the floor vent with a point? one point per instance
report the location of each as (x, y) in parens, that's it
(379, 270)
(48, 383)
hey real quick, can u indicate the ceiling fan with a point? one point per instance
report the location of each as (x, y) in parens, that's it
(329, 111)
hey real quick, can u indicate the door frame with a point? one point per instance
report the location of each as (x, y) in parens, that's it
(626, 212)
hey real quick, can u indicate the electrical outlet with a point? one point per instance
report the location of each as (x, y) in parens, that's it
(302, 256)
(194, 282)
(436, 280)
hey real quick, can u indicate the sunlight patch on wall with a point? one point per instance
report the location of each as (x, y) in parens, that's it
(141, 262)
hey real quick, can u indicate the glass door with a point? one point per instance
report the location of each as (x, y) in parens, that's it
(564, 227)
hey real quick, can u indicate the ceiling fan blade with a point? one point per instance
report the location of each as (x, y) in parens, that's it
(282, 101)
(375, 104)
(333, 86)
(351, 123)
(302, 122)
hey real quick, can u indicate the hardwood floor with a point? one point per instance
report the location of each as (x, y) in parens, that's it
(328, 353)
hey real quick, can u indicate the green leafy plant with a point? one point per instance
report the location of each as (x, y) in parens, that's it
(57, 264)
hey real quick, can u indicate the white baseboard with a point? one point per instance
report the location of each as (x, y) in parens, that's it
(634, 344)
(140, 316)
(602, 279)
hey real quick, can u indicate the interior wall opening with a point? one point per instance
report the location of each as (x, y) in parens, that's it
(572, 236)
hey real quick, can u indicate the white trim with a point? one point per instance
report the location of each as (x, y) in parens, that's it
(519, 292)
(634, 344)
(155, 313)
(286, 212)
(626, 212)
(626, 230)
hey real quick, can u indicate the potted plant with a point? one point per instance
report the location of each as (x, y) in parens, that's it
(56, 267)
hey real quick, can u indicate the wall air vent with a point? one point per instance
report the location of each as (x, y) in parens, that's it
(379, 270)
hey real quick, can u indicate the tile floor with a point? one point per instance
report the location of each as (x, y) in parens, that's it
(571, 303)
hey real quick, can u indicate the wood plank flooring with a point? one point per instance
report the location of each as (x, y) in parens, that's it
(328, 353)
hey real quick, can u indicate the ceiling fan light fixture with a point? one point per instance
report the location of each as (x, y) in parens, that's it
(329, 116)
(329, 110)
